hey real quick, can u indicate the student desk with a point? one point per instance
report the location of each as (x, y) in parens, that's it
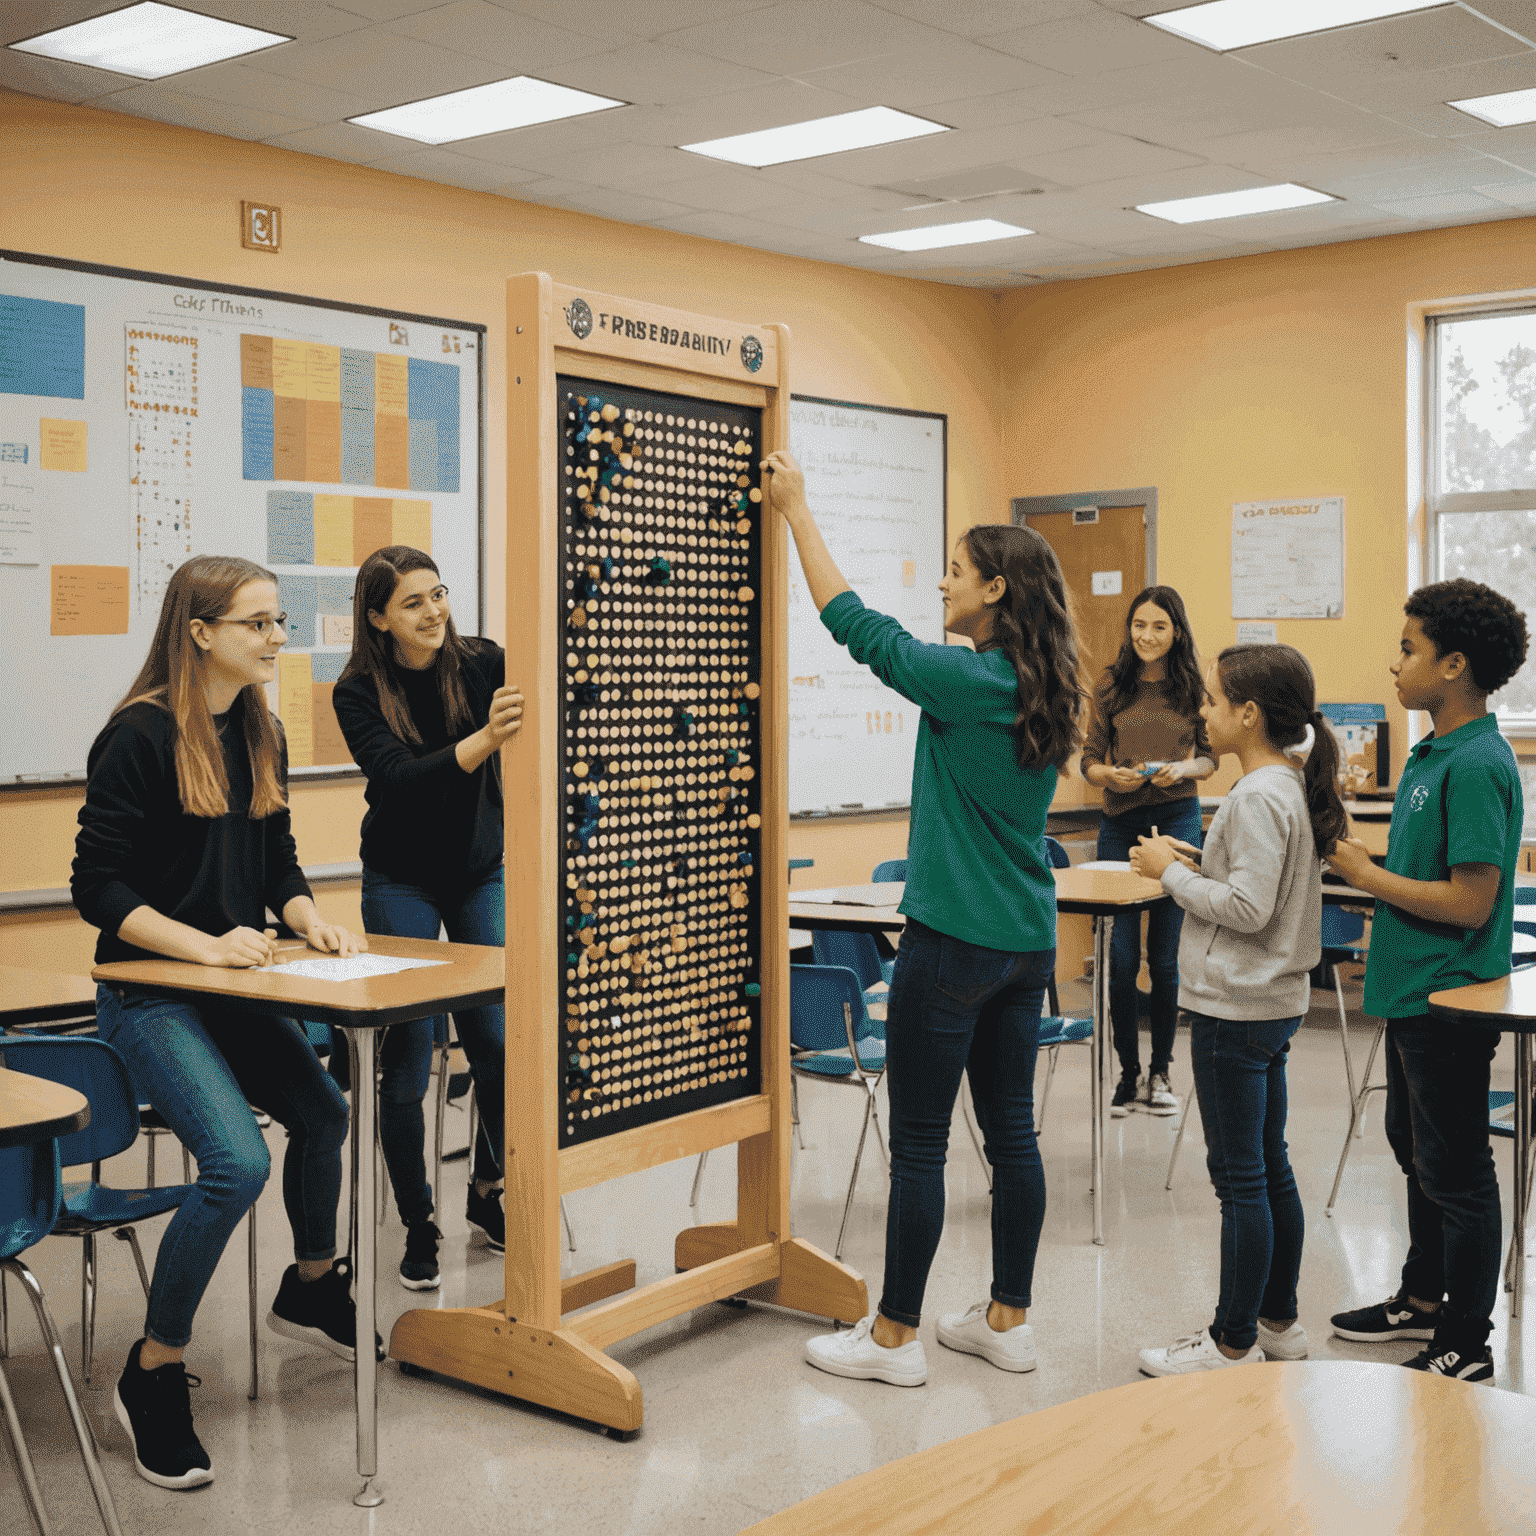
(1335, 1448)
(1508, 1003)
(32, 1109)
(471, 977)
(1098, 893)
(42, 997)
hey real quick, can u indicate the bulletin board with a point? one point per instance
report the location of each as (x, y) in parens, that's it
(876, 479)
(147, 418)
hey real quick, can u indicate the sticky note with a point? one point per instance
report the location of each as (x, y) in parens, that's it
(42, 348)
(411, 522)
(296, 708)
(63, 445)
(88, 599)
(335, 629)
(330, 744)
(333, 530)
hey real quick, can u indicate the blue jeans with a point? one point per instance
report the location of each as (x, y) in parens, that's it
(956, 1007)
(203, 1068)
(1437, 1125)
(472, 915)
(1117, 836)
(1239, 1068)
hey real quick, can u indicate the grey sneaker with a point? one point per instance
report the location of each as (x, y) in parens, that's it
(1159, 1099)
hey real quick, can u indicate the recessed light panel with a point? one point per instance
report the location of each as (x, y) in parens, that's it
(936, 236)
(1227, 24)
(1234, 205)
(150, 41)
(516, 103)
(1503, 111)
(820, 136)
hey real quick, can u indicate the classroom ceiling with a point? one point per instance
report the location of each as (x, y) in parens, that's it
(1066, 113)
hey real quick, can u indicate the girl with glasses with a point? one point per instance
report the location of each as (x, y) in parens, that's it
(425, 711)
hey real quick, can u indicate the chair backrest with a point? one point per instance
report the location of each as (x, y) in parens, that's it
(91, 1067)
(30, 1195)
(1525, 895)
(1341, 929)
(817, 994)
(1056, 854)
(891, 869)
(857, 951)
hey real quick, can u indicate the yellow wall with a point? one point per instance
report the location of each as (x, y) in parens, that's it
(1282, 375)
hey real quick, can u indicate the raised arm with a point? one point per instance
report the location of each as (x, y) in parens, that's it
(786, 491)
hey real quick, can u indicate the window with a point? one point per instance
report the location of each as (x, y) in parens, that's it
(1482, 472)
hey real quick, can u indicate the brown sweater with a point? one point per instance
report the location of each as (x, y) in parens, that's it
(1147, 730)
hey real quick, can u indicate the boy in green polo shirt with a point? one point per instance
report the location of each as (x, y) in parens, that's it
(1444, 909)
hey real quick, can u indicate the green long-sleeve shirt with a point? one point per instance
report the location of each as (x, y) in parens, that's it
(976, 862)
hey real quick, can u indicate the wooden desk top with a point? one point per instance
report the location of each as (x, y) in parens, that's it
(1508, 1002)
(33, 997)
(34, 1109)
(1336, 1448)
(473, 977)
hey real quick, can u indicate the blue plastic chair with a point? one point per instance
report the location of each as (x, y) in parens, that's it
(1517, 960)
(30, 1199)
(891, 869)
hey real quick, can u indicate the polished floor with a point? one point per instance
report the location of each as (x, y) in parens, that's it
(736, 1425)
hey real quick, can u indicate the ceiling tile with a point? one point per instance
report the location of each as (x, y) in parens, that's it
(626, 166)
(915, 78)
(1516, 194)
(514, 44)
(611, 18)
(1444, 205)
(57, 80)
(1091, 44)
(727, 190)
(385, 10)
(981, 18)
(811, 184)
(307, 21)
(1105, 162)
(945, 153)
(1278, 151)
(1517, 15)
(606, 203)
(454, 170)
(743, 111)
(342, 141)
(595, 135)
(1371, 175)
(1514, 146)
(380, 65)
(984, 181)
(243, 86)
(996, 111)
(168, 106)
(807, 34)
(1433, 120)
(656, 73)
(735, 230)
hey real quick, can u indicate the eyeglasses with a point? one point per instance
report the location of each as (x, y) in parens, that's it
(261, 627)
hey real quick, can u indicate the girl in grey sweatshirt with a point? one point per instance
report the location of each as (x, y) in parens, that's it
(1253, 929)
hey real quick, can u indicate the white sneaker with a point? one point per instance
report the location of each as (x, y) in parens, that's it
(1196, 1353)
(1159, 1099)
(1289, 1344)
(856, 1354)
(971, 1334)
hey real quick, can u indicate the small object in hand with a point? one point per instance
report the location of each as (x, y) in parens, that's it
(1149, 769)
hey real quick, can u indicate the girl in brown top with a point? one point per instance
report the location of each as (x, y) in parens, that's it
(1147, 750)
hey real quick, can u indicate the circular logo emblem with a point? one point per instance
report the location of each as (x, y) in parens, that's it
(579, 317)
(751, 353)
(1418, 797)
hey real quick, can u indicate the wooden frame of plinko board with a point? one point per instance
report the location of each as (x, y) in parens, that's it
(521, 1345)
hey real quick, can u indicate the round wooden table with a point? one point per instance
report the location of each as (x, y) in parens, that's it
(32, 1109)
(1335, 1448)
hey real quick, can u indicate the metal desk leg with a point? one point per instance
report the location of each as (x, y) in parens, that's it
(1100, 1058)
(1522, 1164)
(365, 1103)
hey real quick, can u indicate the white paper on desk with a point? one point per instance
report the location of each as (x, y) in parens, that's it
(351, 968)
(886, 894)
(1122, 865)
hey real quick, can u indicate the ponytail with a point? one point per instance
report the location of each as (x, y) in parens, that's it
(1278, 679)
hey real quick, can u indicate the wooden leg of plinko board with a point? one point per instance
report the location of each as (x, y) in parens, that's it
(555, 1369)
(809, 1280)
(704, 1244)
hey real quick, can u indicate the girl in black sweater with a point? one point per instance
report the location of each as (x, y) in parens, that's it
(424, 712)
(184, 844)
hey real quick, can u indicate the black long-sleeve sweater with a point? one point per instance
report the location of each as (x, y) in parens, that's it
(137, 848)
(428, 823)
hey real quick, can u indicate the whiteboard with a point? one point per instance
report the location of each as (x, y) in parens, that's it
(875, 479)
(145, 418)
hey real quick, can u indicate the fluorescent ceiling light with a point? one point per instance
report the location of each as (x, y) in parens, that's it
(1228, 24)
(934, 236)
(516, 103)
(150, 41)
(1233, 205)
(1503, 111)
(820, 136)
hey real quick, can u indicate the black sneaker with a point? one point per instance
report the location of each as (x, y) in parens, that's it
(418, 1269)
(1392, 1319)
(155, 1408)
(1445, 1358)
(319, 1311)
(1125, 1095)
(484, 1213)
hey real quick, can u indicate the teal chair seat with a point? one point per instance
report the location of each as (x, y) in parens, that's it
(841, 1063)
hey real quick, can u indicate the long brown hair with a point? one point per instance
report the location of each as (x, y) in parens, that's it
(371, 648)
(1034, 624)
(1181, 664)
(1278, 678)
(172, 679)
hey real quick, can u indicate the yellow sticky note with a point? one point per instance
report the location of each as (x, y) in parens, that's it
(322, 372)
(88, 599)
(333, 530)
(289, 373)
(296, 708)
(391, 384)
(63, 446)
(411, 523)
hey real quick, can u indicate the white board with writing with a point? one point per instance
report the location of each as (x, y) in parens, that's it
(875, 478)
(1288, 559)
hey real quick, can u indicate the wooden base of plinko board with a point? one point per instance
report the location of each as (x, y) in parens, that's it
(565, 1368)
